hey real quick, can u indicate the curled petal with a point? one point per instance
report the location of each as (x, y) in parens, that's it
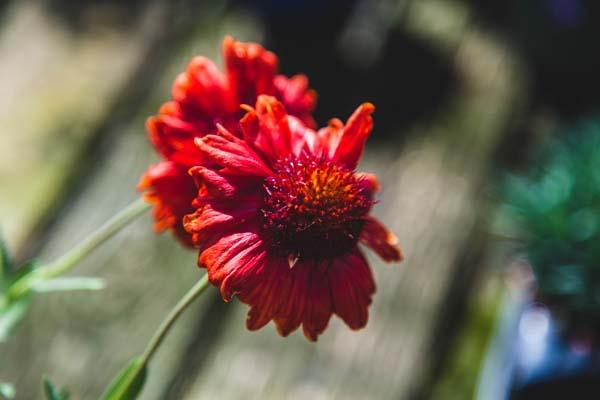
(215, 218)
(354, 135)
(221, 184)
(352, 288)
(234, 262)
(381, 240)
(233, 154)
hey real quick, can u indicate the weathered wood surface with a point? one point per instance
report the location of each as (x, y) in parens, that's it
(432, 191)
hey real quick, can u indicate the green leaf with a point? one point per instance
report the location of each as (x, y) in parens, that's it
(11, 315)
(23, 270)
(5, 264)
(7, 391)
(129, 383)
(52, 393)
(69, 283)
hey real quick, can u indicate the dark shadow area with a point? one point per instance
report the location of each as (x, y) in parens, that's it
(80, 15)
(582, 387)
(408, 81)
(559, 41)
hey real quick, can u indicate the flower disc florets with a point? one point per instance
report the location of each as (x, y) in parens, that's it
(313, 208)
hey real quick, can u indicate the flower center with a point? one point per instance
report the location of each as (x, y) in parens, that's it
(313, 209)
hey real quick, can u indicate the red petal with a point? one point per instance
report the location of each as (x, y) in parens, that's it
(267, 128)
(352, 287)
(290, 315)
(233, 154)
(318, 307)
(250, 70)
(201, 89)
(220, 184)
(325, 140)
(369, 182)
(234, 262)
(266, 298)
(171, 190)
(298, 98)
(355, 134)
(174, 138)
(375, 235)
(216, 218)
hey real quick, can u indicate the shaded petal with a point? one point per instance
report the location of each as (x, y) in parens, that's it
(221, 184)
(319, 306)
(267, 128)
(233, 154)
(375, 235)
(295, 296)
(325, 140)
(354, 135)
(268, 296)
(370, 183)
(250, 70)
(352, 288)
(298, 98)
(216, 218)
(290, 315)
(173, 136)
(234, 262)
(201, 89)
(171, 190)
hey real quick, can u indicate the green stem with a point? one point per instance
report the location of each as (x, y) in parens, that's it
(73, 257)
(168, 322)
(141, 362)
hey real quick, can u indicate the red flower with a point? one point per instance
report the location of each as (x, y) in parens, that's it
(203, 97)
(280, 212)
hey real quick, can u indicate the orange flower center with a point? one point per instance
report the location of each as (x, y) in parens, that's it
(313, 209)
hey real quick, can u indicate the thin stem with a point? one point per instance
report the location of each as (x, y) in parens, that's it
(140, 363)
(175, 313)
(74, 256)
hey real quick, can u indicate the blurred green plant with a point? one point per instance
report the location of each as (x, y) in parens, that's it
(555, 208)
(18, 283)
(52, 393)
(7, 391)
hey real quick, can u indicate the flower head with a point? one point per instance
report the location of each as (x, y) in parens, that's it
(279, 215)
(203, 97)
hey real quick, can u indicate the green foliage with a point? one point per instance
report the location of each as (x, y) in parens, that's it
(7, 391)
(10, 315)
(556, 208)
(27, 278)
(5, 264)
(129, 383)
(52, 393)
(69, 283)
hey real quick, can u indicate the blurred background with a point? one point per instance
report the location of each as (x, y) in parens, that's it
(499, 292)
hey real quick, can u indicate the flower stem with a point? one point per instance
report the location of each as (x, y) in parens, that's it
(168, 322)
(131, 379)
(74, 256)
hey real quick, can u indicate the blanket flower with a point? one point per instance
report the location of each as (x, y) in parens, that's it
(279, 214)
